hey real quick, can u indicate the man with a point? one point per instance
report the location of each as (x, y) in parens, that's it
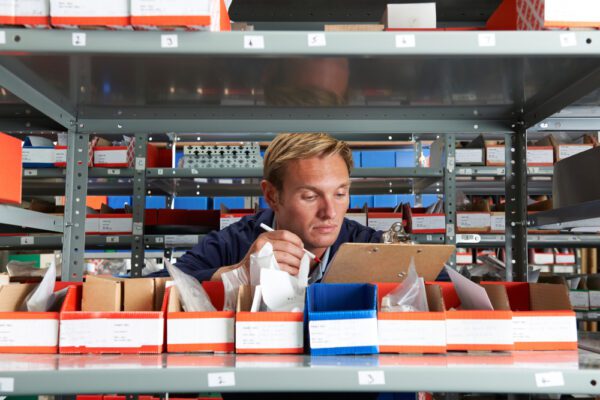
(307, 184)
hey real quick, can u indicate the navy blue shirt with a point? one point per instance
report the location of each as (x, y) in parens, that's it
(230, 245)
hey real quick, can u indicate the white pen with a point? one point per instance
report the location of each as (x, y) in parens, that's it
(311, 255)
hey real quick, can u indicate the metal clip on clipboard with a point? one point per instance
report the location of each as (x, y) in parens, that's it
(396, 234)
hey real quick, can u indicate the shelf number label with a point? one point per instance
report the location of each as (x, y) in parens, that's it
(316, 40)
(112, 239)
(406, 41)
(7, 385)
(549, 379)
(160, 171)
(221, 379)
(468, 238)
(114, 172)
(568, 39)
(486, 39)
(169, 41)
(78, 39)
(2, 37)
(254, 42)
(27, 240)
(30, 172)
(371, 378)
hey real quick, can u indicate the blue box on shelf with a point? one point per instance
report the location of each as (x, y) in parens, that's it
(342, 318)
(385, 200)
(118, 202)
(378, 159)
(156, 202)
(191, 203)
(405, 158)
(406, 198)
(356, 157)
(229, 202)
(358, 201)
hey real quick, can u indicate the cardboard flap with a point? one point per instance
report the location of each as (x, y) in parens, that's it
(377, 262)
(13, 296)
(546, 296)
(435, 300)
(498, 297)
(174, 302)
(138, 294)
(244, 300)
(160, 285)
(101, 294)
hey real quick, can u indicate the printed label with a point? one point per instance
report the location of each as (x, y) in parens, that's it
(544, 329)
(479, 331)
(268, 335)
(411, 333)
(343, 333)
(200, 330)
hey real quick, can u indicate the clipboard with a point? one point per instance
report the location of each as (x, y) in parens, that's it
(378, 262)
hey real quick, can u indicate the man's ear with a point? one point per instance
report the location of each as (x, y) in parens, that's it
(271, 194)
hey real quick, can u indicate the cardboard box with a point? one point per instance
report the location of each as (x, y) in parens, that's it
(541, 256)
(540, 156)
(191, 332)
(99, 332)
(580, 299)
(98, 224)
(74, 13)
(342, 318)
(497, 222)
(11, 175)
(29, 13)
(469, 157)
(266, 332)
(38, 152)
(568, 150)
(473, 222)
(410, 16)
(542, 316)
(428, 223)
(478, 330)
(114, 156)
(382, 221)
(197, 15)
(412, 332)
(495, 155)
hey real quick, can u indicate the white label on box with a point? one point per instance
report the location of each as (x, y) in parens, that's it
(226, 221)
(540, 156)
(199, 330)
(92, 225)
(220, 379)
(117, 333)
(2, 37)
(32, 8)
(549, 379)
(495, 155)
(405, 41)
(498, 222)
(464, 258)
(28, 332)
(568, 39)
(428, 222)
(171, 240)
(572, 11)
(169, 41)
(566, 151)
(473, 220)
(39, 155)
(25, 240)
(112, 239)
(564, 269)
(110, 156)
(543, 258)
(383, 224)
(479, 331)
(469, 156)
(594, 298)
(411, 333)
(371, 378)
(538, 329)
(114, 172)
(360, 218)
(76, 8)
(60, 156)
(269, 335)
(107, 225)
(316, 40)
(30, 172)
(7, 385)
(78, 39)
(356, 332)
(564, 258)
(159, 8)
(486, 40)
(580, 300)
(254, 42)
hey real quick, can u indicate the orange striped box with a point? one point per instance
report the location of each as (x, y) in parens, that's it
(74, 13)
(134, 332)
(540, 156)
(194, 332)
(266, 332)
(173, 14)
(412, 332)
(29, 13)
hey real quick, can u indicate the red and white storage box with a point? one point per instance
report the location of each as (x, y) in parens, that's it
(473, 222)
(477, 330)
(382, 221)
(227, 219)
(74, 13)
(114, 156)
(541, 256)
(428, 223)
(30, 13)
(567, 150)
(191, 332)
(99, 224)
(264, 331)
(564, 257)
(191, 15)
(495, 155)
(412, 332)
(464, 256)
(497, 222)
(540, 156)
(542, 316)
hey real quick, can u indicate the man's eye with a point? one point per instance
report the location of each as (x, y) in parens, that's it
(341, 195)
(309, 198)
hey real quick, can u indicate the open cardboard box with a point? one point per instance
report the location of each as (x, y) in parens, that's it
(23, 331)
(92, 321)
(542, 315)
(478, 330)
(199, 331)
(342, 318)
(264, 331)
(412, 332)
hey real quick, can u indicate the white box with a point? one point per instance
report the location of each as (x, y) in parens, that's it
(410, 16)
(564, 258)
(568, 150)
(479, 330)
(110, 157)
(495, 155)
(542, 258)
(540, 156)
(580, 299)
(464, 258)
(594, 299)
(361, 218)
(230, 219)
(109, 223)
(473, 222)
(469, 156)
(38, 155)
(383, 221)
(86, 12)
(497, 222)
(428, 223)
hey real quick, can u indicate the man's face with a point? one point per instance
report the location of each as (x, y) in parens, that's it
(313, 201)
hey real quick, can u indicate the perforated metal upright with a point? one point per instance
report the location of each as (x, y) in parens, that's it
(139, 205)
(450, 192)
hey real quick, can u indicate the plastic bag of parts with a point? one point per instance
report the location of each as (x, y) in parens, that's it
(409, 296)
(232, 280)
(115, 266)
(192, 294)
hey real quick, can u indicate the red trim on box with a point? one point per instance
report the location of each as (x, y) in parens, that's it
(571, 24)
(149, 349)
(29, 349)
(200, 315)
(551, 313)
(32, 20)
(481, 347)
(109, 216)
(246, 316)
(546, 346)
(171, 20)
(201, 347)
(78, 315)
(479, 314)
(411, 316)
(412, 349)
(102, 21)
(28, 315)
(298, 350)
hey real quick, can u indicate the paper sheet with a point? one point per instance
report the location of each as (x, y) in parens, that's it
(472, 296)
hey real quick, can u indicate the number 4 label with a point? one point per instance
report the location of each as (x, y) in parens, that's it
(254, 42)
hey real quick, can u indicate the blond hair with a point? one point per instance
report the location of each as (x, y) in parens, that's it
(298, 146)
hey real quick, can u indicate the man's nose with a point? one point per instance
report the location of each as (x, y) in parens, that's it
(327, 210)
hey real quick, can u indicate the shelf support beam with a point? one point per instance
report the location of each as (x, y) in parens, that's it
(139, 205)
(30, 219)
(450, 192)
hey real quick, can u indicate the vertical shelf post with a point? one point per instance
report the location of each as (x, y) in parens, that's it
(75, 205)
(139, 205)
(516, 204)
(418, 148)
(450, 192)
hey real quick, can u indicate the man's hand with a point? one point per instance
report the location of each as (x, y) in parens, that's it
(287, 248)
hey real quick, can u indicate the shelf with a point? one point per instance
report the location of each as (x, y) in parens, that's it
(517, 372)
(533, 240)
(31, 219)
(588, 315)
(583, 215)
(55, 242)
(498, 187)
(500, 171)
(32, 173)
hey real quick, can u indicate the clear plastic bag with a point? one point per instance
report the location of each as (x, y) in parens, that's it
(232, 280)
(192, 294)
(410, 295)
